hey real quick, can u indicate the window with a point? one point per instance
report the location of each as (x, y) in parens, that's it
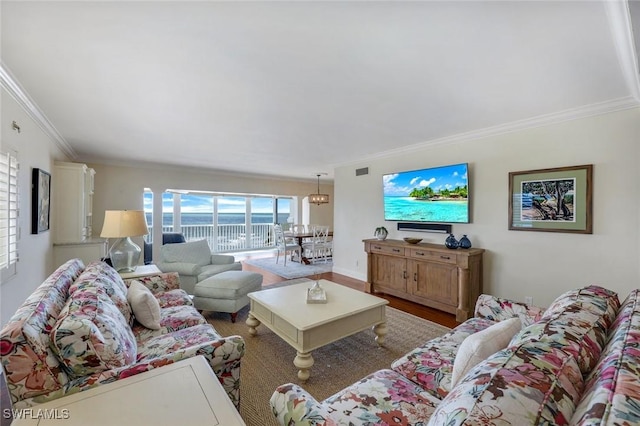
(228, 221)
(8, 213)
(283, 210)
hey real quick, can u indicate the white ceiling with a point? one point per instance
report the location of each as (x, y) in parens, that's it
(295, 88)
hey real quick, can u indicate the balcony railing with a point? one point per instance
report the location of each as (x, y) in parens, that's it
(227, 238)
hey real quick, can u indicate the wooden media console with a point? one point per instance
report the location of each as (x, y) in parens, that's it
(429, 274)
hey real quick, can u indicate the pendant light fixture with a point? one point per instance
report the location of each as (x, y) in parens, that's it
(319, 198)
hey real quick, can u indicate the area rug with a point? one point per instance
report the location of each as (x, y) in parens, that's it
(268, 360)
(293, 269)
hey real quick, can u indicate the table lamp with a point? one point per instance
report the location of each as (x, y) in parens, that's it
(123, 224)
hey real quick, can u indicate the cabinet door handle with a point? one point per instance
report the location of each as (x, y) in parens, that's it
(396, 250)
(419, 253)
(377, 247)
(404, 274)
(415, 277)
(445, 257)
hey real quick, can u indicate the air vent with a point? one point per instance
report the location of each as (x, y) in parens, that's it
(362, 171)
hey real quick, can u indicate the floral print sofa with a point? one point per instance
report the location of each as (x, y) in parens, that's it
(77, 331)
(575, 363)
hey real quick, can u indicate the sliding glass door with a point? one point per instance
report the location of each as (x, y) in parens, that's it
(229, 222)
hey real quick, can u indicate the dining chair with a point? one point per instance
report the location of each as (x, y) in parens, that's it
(285, 246)
(298, 229)
(319, 247)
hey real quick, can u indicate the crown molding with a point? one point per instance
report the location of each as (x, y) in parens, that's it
(152, 165)
(17, 92)
(514, 126)
(622, 33)
(619, 17)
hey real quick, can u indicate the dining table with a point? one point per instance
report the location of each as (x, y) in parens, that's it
(299, 236)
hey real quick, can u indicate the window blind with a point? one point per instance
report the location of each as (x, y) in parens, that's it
(9, 210)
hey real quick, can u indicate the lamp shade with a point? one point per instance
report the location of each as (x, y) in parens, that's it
(124, 223)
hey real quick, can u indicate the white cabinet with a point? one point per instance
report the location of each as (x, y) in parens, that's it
(88, 201)
(72, 202)
(88, 250)
(72, 224)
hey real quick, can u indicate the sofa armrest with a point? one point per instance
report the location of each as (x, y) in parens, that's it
(222, 259)
(158, 283)
(223, 355)
(182, 268)
(497, 309)
(293, 405)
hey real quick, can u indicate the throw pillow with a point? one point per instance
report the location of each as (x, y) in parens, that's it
(144, 305)
(99, 274)
(479, 346)
(91, 335)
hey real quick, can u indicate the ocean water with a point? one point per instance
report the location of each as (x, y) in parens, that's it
(223, 218)
(409, 209)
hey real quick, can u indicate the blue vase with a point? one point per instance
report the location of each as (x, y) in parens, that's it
(451, 242)
(465, 243)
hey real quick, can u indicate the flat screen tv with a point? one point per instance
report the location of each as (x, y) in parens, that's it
(436, 194)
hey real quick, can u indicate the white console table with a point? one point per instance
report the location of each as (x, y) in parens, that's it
(184, 393)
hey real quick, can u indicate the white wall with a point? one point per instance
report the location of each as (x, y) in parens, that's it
(35, 150)
(517, 263)
(121, 187)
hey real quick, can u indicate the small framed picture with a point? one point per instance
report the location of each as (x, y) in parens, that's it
(40, 201)
(551, 200)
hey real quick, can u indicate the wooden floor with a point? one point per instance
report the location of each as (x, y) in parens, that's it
(443, 318)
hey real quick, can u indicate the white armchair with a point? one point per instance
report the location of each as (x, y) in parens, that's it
(194, 262)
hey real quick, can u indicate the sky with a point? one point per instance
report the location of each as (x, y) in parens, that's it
(204, 204)
(438, 178)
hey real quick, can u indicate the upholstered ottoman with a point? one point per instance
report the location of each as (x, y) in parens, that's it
(226, 292)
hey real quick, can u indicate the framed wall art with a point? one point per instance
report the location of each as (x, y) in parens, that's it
(40, 201)
(551, 200)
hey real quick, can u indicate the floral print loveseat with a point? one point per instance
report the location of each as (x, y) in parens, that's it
(575, 363)
(77, 331)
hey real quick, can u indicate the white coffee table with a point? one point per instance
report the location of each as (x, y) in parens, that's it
(309, 326)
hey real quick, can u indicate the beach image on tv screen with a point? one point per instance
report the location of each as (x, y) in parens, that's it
(438, 194)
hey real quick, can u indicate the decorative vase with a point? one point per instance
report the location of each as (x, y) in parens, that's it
(451, 242)
(464, 242)
(316, 294)
(381, 234)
